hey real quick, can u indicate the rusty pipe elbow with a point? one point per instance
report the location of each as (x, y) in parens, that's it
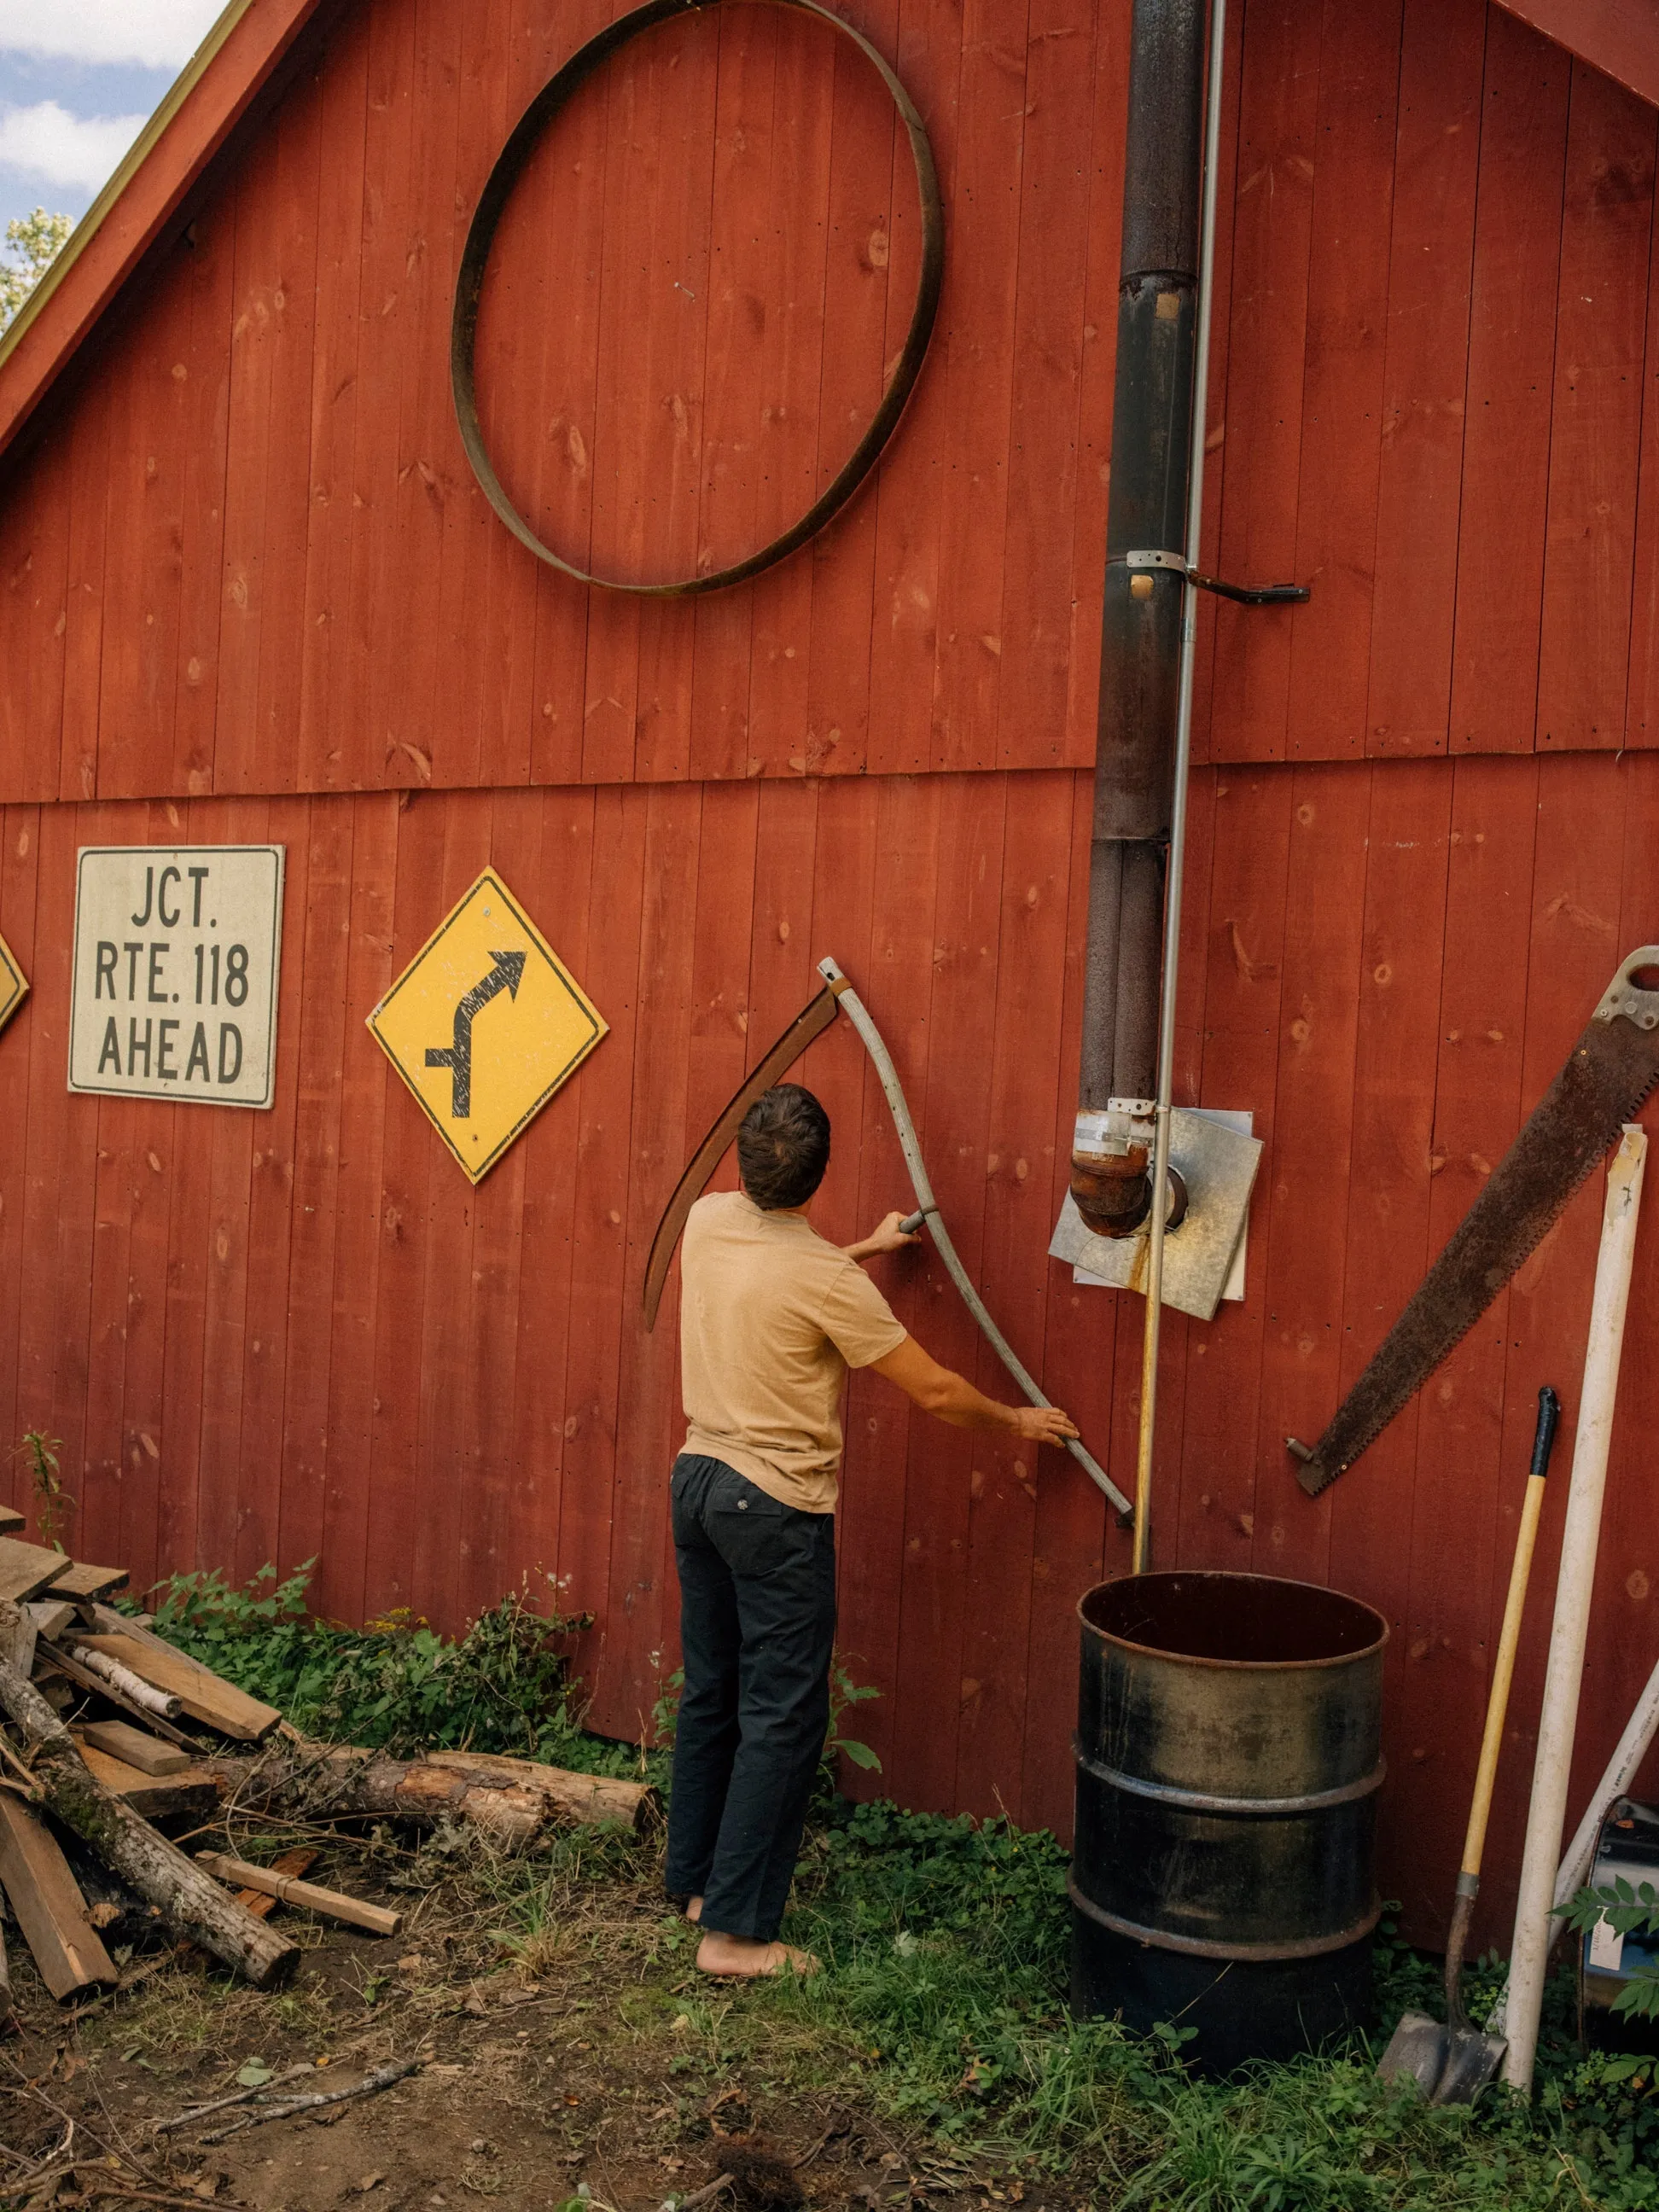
(1113, 1190)
(1114, 1193)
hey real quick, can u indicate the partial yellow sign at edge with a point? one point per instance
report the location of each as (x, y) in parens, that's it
(484, 1025)
(14, 983)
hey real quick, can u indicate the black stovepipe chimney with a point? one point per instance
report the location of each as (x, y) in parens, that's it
(1140, 621)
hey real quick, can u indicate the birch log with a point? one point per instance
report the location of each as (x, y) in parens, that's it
(190, 1901)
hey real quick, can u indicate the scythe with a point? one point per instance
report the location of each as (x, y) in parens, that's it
(838, 996)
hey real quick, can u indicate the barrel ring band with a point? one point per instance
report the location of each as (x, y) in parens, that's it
(1195, 1947)
(1251, 1808)
(515, 158)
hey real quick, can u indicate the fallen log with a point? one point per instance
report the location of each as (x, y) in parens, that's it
(583, 1798)
(511, 1800)
(191, 1901)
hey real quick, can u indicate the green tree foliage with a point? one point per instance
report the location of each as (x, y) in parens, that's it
(34, 242)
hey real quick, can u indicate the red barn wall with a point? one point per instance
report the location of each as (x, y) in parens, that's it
(250, 593)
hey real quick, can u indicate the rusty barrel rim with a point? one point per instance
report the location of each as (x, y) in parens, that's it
(1328, 1602)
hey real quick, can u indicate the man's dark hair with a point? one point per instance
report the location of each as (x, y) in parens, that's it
(783, 1147)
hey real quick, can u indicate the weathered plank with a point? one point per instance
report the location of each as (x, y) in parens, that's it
(47, 1904)
(203, 1696)
(156, 1796)
(134, 1747)
(28, 1568)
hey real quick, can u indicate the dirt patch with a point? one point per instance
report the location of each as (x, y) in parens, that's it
(567, 2048)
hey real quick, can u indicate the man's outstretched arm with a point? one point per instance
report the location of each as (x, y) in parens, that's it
(951, 1397)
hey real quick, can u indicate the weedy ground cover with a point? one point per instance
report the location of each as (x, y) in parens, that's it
(941, 2004)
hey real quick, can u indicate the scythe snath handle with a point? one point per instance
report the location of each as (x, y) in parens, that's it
(811, 1022)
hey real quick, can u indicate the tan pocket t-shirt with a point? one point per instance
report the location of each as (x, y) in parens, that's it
(771, 1318)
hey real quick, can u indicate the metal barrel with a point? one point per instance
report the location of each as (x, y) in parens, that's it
(1229, 1754)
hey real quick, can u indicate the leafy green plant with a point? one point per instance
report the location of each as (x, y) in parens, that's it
(666, 1707)
(396, 1685)
(844, 1692)
(1627, 1911)
(1605, 2107)
(33, 243)
(37, 1454)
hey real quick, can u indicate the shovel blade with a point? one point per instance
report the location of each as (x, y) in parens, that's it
(1472, 2060)
(1416, 2052)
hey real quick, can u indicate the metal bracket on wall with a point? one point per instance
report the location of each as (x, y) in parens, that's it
(1245, 595)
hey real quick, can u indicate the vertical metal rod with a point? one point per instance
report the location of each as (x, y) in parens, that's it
(1143, 1533)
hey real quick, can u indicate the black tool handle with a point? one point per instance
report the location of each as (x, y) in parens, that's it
(912, 1222)
(1543, 1443)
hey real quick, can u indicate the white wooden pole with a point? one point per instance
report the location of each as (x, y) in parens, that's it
(1631, 1748)
(1529, 1951)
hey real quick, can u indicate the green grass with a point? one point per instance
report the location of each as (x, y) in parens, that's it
(944, 1950)
(944, 1947)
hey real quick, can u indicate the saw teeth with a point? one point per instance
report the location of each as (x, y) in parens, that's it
(1575, 1115)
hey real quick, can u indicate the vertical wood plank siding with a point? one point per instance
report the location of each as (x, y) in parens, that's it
(297, 1335)
(252, 532)
(249, 590)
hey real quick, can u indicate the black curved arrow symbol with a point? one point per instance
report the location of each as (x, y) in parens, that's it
(505, 975)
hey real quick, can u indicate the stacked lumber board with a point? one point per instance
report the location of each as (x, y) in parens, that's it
(113, 1728)
(145, 1723)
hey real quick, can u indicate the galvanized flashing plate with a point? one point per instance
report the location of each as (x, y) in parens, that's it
(1219, 1165)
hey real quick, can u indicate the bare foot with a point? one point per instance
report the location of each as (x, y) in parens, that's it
(694, 1910)
(739, 1958)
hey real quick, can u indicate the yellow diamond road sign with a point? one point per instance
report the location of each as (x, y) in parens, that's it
(14, 985)
(485, 1024)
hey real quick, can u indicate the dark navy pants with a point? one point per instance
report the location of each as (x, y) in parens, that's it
(757, 1624)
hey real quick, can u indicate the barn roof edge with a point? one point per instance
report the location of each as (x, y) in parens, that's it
(211, 94)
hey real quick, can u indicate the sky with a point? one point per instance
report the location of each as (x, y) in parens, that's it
(77, 80)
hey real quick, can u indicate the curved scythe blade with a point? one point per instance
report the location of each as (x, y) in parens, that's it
(812, 1021)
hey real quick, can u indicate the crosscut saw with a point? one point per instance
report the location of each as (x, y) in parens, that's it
(1609, 1071)
(838, 997)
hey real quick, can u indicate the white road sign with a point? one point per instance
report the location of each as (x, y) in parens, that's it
(176, 952)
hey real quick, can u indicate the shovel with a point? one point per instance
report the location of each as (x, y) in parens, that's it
(1451, 2064)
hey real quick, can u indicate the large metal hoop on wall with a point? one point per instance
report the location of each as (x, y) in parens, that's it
(510, 166)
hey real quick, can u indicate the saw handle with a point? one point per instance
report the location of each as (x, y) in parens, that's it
(1475, 1841)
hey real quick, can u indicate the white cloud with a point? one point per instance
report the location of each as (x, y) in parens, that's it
(47, 141)
(153, 33)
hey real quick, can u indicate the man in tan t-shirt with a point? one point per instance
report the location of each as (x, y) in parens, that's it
(771, 1318)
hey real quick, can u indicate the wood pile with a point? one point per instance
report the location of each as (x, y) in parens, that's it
(108, 1733)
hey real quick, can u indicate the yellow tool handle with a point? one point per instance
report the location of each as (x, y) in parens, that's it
(1474, 1843)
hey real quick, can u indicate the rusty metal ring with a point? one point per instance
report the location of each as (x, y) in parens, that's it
(510, 165)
